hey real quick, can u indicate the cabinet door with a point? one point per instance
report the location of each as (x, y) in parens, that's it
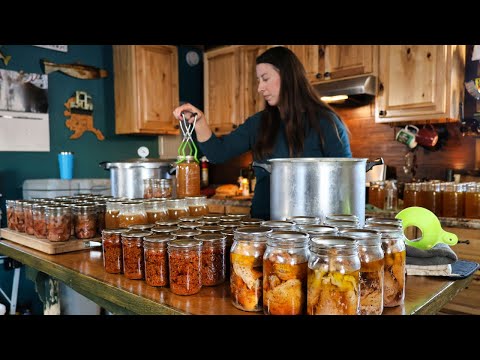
(146, 89)
(342, 61)
(222, 89)
(309, 55)
(251, 101)
(420, 82)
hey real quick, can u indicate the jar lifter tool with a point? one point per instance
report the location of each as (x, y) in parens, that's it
(187, 131)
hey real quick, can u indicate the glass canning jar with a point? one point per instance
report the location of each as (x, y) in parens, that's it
(371, 269)
(101, 209)
(246, 272)
(212, 229)
(59, 222)
(185, 266)
(133, 258)
(85, 221)
(279, 225)
(186, 234)
(156, 210)
(164, 229)
(19, 216)
(453, 198)
(333, 280)
(228, 233)
(305, 220)
(176, 208)
(374, 221)
(131, 213)
(410, 195)
(140, 227)
(285, 264)
(318, 230)
(393, 245)
(111, 213)
(28, 215)
(213, 258)
(342, 217)
(197, 205)
(112, 250)
(147, 188)
(39, 221)
(251, 222)
(156, 259)
(343, 224)
(391, 195)
(10, 205)
(162, 188)
(188, 177)
(472, 201)
(433, 198)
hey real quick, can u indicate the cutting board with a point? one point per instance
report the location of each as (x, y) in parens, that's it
(47, 246)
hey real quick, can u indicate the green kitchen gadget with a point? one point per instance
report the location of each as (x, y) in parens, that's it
(428, 223)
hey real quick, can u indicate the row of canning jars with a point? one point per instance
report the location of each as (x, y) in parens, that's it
(58, 219)
(120, 213)
(145, 257)
(448, 199)
(354, 271)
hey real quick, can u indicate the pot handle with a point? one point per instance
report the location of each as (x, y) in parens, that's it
(173, 169)
(105, 165)
(266, 167)
(371, 164)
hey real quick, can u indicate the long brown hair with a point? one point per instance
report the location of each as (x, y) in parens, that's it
(297, 99)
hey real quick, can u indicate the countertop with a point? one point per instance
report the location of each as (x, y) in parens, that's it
(83, 271)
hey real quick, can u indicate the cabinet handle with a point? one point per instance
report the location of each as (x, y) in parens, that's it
(177, 126)
(429, 55)
(234, 126)
(463, 242)
(216, 129)
(380, 87)
(318, 76)
(326, 74)
(382, 113)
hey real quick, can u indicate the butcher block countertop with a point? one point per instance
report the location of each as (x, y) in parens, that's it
(83, 271)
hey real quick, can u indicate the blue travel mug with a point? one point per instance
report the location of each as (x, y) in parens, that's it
(65, 163)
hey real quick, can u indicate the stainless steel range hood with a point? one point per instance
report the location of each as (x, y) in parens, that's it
(361, 88)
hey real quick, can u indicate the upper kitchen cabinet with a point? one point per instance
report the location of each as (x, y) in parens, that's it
(230, 86)
(420, 83)
(146, 89)
(332, 62)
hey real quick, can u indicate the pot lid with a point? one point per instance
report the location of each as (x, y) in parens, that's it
(139, 162)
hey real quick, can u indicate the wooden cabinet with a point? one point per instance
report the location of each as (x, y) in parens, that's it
(146, 89)
(333, 62)
(230, 86)
(420, 83)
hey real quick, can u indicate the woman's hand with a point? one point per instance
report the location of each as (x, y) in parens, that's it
(201, 127)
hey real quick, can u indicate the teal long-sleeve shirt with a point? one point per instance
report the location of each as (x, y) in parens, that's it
(219, 150)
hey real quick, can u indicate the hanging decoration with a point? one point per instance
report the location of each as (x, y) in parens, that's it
(78, 71)
(79, 115)
(5, 58)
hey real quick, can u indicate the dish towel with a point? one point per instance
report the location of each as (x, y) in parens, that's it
(429, 270)
(440, 254)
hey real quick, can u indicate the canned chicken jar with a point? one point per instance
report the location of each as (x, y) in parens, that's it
(333, 285)
(85, 221)
(285, 264)
(246, 272)
(59, 222)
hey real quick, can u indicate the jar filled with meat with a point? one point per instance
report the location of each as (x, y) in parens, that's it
(185, 266)
(156, 210)
(112, 250)
(197, 205)
(85, 221)
(156, 259)
(131, 213)
(162, 188)
(246, 272)
(19, 216)
(28, 214)
(213, 258)
(133, 257)
(59, 222)
(333, 280)
(39, 221)
(188, 177)
(393, 245)
(285, 265)
(371, 269)
(101, 209)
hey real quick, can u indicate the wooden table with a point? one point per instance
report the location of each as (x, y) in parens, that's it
(83, 271)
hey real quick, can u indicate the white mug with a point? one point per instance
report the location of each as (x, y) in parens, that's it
(407, 136)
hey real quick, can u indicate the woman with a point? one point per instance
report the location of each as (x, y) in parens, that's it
(294, 123)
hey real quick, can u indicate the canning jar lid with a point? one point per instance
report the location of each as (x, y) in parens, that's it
(159, 238)
(185, 243)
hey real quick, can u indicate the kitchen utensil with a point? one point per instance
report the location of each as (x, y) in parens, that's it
(407, 136)
(472, 88)
(427, 136)
(428, 223)
(187, 131)
(317, 186)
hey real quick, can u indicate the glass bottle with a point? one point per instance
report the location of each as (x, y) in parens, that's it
(333, 280)
(133, 257)
(246, 273)
(112, 250)
(188, 177)
(156, 258)
(285, 264)
(213, 258)
(185, 266)
(371, 269)
(393, 245)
